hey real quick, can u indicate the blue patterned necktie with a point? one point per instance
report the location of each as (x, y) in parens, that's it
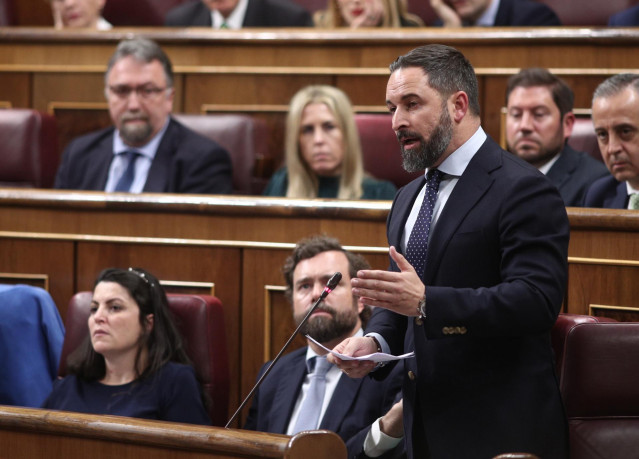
(126, 179)
(418, 239)
(308, 418)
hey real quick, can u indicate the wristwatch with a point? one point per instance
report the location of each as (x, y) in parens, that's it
(421, 307)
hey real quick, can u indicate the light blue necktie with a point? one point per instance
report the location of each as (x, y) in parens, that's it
(309, 416)
(418, 239)
(126, 179)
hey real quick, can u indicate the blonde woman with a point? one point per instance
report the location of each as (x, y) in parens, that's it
(323, 151)
(366, 13)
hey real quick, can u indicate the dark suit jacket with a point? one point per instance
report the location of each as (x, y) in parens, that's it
(355, 405)
(573, 173)
(259, 13)
(185, 162)
(522, 13)
(483, 380)
(525, 13)
(608, 193)
(625, 18)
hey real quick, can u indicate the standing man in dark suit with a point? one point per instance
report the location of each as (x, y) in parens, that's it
(539, 121)
(458, 13)
(146, 150)
(615, 114)
(478, 305)
(237, 14)
(349, 406)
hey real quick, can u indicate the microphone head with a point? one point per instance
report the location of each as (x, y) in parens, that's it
(334, 280)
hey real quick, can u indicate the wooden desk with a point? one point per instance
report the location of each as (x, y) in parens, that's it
(257, 71)
(238, 245)
(29, 433)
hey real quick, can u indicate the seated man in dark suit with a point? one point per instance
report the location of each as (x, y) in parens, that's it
(237, 14)
(458, 13)
(625, 18)
(146, 150)
(538, 124)
(349, 406)
(615, 114)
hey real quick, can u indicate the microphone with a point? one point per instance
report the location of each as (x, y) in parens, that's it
(330, 286)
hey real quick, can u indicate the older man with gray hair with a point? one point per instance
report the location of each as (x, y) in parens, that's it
(146, 150)
(615, 114)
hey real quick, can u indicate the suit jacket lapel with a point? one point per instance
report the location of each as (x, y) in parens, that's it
(471, 186)
(157, 180)
(403, 206)
(252, 15)
(340, 404)
(287, 393)
(104, 162)
(621, 197)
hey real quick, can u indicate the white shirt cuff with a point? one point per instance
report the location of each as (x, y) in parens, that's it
(377, 442)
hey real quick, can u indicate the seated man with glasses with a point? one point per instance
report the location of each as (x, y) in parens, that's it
(146, 150)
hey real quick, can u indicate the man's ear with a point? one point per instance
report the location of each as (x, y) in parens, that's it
(568, 123)
(460, 105)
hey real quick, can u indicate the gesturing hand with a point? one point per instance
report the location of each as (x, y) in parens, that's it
(400, 292)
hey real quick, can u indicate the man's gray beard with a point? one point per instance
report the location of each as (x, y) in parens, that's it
(428, 152)
(324, 329)
(136, 135)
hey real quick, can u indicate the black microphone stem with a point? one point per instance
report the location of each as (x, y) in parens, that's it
(330, 285)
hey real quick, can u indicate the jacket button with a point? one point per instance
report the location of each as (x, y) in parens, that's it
(418, 321)
(411, 376)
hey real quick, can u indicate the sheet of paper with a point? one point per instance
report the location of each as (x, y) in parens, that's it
(375, 357)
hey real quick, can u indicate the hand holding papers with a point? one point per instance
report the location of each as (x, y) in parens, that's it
(375, 357)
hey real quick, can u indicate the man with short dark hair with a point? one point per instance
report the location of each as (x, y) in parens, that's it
(539, 120)
(478, 251)
(349, 406)
(238, 14)
(146, 150)
(458, 13)
(615, 114)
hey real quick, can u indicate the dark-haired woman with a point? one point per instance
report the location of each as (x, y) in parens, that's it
(132, 363)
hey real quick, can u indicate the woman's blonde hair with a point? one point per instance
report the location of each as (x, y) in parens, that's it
(302, 181)
(395, 11)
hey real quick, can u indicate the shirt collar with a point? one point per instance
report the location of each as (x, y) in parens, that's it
(149, 150)
(546, 167)
(630, 189)
(458, 160)
(488, 18)
(235, 19)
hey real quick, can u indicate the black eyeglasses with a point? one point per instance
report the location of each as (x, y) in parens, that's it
(143, 92)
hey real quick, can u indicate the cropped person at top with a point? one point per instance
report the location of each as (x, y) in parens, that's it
(366, 13)
(132, 363)
(323, 151)
(146, 150)
(73, 14)
(463, 13)
(237, 14)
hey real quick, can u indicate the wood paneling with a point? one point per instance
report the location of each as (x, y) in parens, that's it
(259, 68)
(240, 243)
(28, 433)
